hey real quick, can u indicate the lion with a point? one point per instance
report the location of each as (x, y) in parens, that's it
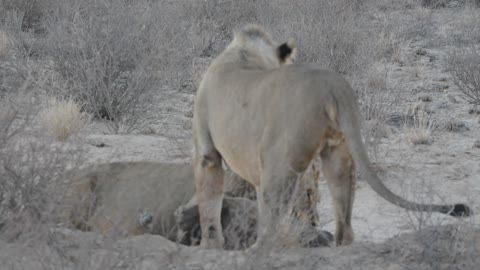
(128, 198)
(267, 120)
(133, 198)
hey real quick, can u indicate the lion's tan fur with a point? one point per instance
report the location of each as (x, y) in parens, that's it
(111, 198)
(268, 121)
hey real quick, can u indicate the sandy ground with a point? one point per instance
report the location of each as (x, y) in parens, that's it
(434, 248)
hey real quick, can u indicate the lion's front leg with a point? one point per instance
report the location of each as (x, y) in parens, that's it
(209, 191)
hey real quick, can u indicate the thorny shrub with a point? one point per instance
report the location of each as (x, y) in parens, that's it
(32, 170)
(464, 66)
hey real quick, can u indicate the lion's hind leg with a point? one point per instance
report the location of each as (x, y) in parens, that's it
(209, 190)
(339, 169)
(274, 196)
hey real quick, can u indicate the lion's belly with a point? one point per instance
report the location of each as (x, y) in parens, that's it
(239, 146)
(247, 169)
(241, 159)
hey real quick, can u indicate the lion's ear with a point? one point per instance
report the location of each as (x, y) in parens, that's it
(287, 51)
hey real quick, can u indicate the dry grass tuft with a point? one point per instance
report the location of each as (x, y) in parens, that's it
(63, 117)
(6, 43)
(423, 125)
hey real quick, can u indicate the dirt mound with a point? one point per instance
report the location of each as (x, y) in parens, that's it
(444, 247)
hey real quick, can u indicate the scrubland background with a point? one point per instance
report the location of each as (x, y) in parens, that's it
(93, 81)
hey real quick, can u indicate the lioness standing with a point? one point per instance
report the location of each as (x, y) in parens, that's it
(268, 121)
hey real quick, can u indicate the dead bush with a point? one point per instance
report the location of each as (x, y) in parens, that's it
(30, 11)
(108, 53)
(32, 172)
(328, 31)
(20, 76)
(113, 54)
(31, 165)
(464, 66)
(332, 33)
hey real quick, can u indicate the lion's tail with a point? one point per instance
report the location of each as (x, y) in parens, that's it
(349, 123)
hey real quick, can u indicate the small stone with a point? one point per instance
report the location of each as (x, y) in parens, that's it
(145, 219)
(425, 98)
(476, 144)
(474, 110)
(421, 52)
(456, 126)
(100, 144)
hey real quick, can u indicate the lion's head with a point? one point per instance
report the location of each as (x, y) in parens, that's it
(255, 47)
